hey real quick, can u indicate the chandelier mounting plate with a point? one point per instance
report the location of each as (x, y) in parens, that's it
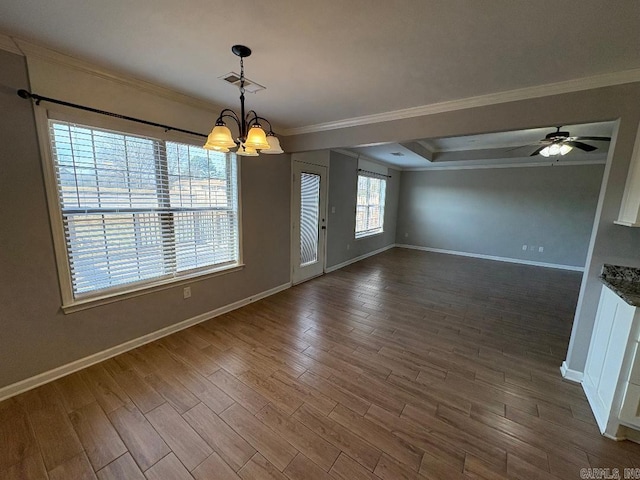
(241, 51)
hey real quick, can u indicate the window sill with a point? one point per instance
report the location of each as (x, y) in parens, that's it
(368, 235)
(84, 304)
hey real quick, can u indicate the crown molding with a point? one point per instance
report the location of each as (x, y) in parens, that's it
(32, 50)
(549, 89)
(526, 162)
(29, 49)
(7, 43)
(507, 165)
(359, 156)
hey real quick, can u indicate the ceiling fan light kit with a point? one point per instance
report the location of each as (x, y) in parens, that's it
(561, 143)
(555, 149)
(251, 137)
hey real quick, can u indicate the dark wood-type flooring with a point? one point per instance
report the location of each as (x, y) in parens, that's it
(407, 365)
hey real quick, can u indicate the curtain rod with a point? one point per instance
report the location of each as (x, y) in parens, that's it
(374, 173)
(39, 98)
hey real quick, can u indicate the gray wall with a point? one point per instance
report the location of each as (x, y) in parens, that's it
(35, 336)
(341, 225)
(497, 210)
(610, 243)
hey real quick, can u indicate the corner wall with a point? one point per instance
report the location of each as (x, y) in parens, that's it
(35, 335)
(341, 225)
(495, 211)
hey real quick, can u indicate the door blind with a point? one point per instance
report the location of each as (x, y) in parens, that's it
(309, 214)
(138, 209)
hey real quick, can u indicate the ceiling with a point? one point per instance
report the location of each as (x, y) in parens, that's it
(507, 148)
(333, 60)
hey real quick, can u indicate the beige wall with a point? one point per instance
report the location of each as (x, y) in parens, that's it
(35, 335)
(609, 243)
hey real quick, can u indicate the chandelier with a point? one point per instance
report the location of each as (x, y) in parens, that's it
(251, 136)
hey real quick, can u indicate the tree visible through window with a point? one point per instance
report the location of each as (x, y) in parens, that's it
(136, 210)
(370, 206)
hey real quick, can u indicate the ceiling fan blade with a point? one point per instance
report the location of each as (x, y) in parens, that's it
(538, 150)
(594, 139)
(517, 148)
(581, 146)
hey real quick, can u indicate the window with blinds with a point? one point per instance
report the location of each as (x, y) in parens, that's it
(370, 206)
(137, 210)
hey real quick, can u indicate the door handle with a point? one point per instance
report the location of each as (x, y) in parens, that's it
(323, 227)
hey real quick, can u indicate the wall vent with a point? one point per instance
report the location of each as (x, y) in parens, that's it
(234, 79)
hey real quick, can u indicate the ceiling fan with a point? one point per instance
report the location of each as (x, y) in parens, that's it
(561, 143)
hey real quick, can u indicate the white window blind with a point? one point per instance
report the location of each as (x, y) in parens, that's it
(370, 205)
(137, 210)
(309, 213)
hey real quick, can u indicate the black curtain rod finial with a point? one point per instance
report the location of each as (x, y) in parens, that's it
(27, 95)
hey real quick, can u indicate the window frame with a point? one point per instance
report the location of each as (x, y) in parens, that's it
(69, 302)
(378, 231)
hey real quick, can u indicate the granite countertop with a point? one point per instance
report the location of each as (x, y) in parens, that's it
(625, 281)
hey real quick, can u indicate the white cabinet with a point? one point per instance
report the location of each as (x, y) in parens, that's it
(630, 411)
(630, 208)
(611, 356)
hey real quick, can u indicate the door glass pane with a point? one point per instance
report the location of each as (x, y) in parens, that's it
(309, 212)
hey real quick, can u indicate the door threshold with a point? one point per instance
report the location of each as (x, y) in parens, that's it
(306, 279)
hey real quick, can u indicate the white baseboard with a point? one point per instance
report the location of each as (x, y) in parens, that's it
(626, 433)
(571, 375)
(491, 257)
(51, 375)
(333, 268)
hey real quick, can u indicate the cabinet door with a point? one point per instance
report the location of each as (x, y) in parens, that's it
(606, 358)
(615, 352)
(600, 339)
(630, 409)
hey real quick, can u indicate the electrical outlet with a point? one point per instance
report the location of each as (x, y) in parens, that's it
(348, 246)
(524, 247)
(333, 209)
(186, 292)
(406, 234)
(540, 249)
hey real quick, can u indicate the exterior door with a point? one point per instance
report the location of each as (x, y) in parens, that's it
(309, 221)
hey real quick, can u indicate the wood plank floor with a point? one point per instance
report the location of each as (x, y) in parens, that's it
(407, 365)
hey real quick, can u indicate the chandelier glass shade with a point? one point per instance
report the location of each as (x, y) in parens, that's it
(246, 151)
(256, 137)
(251, 136)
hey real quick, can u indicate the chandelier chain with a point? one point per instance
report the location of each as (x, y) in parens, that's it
(242, 75)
